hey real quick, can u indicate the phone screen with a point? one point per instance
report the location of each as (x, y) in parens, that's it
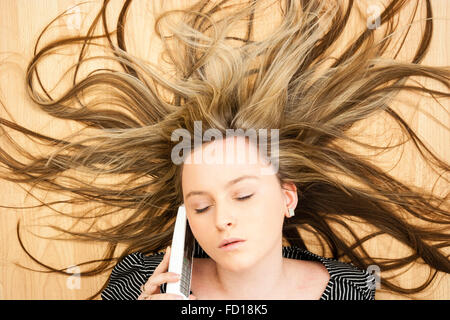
(188, 260)
(182, 255)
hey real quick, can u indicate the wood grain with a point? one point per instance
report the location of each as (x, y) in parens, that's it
(21, 22)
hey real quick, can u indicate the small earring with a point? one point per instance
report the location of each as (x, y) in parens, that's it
(291, 212)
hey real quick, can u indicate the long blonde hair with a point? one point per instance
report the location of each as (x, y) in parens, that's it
(288, 80)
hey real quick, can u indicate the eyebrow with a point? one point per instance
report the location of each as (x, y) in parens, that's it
(229, 184)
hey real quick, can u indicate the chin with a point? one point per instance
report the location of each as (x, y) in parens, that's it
(236, 264)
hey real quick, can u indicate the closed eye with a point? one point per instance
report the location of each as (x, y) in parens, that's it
(246, 197)
(201, 210)
(239, 199)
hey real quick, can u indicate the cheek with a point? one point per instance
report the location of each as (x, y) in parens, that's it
(269, 211)
(263, 222)
(198, 228)
(268, 220)
(267, 224)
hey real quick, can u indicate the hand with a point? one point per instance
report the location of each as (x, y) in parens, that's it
(151, 290)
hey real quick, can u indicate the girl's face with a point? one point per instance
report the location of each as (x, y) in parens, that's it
(232, 199)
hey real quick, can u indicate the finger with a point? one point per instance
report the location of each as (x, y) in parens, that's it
(143, 296)
(192, 297)
(157, 280)
(149, 289)
(164, 264)
(159, 269)
(166, 296)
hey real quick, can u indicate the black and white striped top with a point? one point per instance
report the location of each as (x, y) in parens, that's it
(346, 281)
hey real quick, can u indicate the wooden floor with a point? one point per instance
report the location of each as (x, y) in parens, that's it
(21, 21)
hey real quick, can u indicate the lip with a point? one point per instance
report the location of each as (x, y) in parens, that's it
(226, 241)
(232, 246)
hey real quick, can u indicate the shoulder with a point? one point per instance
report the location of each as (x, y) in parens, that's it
(309, 278)
(129, 274)
(346, 281)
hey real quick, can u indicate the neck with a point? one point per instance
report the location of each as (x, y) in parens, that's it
(263, 280)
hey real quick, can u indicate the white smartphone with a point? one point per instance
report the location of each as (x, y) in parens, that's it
(181, 255)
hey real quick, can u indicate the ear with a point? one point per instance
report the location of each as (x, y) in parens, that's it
(291, 198)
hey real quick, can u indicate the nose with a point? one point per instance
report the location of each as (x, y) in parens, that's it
(224, 217)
